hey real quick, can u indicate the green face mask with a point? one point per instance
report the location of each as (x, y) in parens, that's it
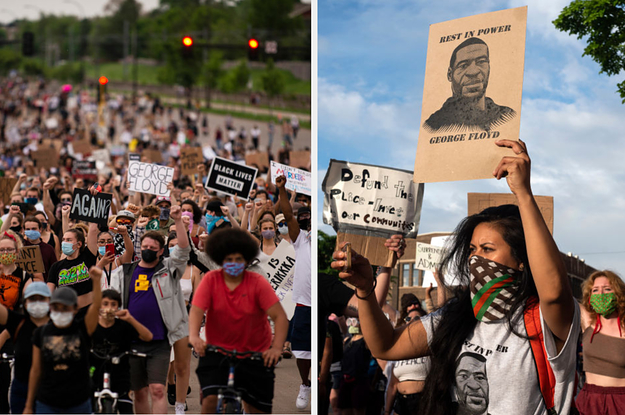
(152, 225)
(603, 304)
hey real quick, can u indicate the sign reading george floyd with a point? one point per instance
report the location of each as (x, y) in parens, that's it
(89, 208)
(232, 178)
(471, 95)
(149, 178)
(369, 200)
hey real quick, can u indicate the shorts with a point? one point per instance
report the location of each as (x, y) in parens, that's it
(149, 370)
(354, 394)
(592, 398)
(251, 378)
(407, 404)
(300, 334)
(337, 380)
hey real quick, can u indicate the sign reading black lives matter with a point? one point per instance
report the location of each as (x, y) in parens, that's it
(371, 200)
(149, 178)
(93, 209)
(471, 95)
(232, 178)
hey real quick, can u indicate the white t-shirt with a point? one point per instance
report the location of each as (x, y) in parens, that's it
(301, 275)
(498, 371)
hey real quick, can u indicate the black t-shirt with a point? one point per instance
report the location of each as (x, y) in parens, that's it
(64, 380)
(333, 297)
(113, 341)
(23, 343)
(11, 287)
(74, 273)
(334, 332)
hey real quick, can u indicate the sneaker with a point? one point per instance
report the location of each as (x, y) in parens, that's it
(171, 394)
(286, 352)
(303, 397)
(180, 408)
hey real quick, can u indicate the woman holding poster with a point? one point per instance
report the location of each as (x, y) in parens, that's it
(513, 313)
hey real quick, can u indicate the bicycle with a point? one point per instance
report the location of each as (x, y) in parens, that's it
(229, 399)
(106, 399)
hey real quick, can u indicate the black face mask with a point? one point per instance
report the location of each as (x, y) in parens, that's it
(16, 229)
(304, 224)
(148, 255)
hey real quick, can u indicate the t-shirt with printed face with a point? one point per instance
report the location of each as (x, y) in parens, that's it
(74, 273)
(496, 373)
(11, 287)
(64, 380)
(142, 302)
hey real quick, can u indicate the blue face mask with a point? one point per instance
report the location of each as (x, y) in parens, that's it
(67, 248)
(102, 250)
(172, 250)
(31, 200)
(234, 268)
(211, 221)
(32, 235)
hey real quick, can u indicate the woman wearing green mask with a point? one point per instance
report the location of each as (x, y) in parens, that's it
(603, 314)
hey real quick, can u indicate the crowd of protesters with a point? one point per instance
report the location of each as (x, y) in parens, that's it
(165, 273)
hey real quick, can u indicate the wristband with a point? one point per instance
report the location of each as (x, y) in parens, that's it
(375, 282)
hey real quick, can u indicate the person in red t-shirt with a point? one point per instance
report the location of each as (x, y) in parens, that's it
(236, 303)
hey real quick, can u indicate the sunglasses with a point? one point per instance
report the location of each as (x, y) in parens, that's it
(124, 221)
(282, 225)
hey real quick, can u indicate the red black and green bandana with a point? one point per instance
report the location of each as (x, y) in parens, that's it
(493, 287)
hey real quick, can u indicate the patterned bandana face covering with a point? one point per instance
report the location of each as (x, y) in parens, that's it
(8, 258)
(493, 287)
(603, 304)
(234, 268)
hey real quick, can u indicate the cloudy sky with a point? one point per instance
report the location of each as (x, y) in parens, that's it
(371, 57)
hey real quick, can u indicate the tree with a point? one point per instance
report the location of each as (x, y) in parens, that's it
(211, 73)
(326, 244)
(603, 23)
(273, 82)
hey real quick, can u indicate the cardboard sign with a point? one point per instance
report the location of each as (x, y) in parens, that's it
(82, 147)
(102, 155)
(155, 156)
(6, 188)
(428, 256)
(471, 95)
(190, 157)
(297, 180)
(369, 200)
(299, 159)
(479, 201)
(371, 247)
(84, 170)
(259, 160)
(149, 178)
(29, 259)
(49, 142)
(89, 208)
(232, 178)
(45, 158)
(279, 270)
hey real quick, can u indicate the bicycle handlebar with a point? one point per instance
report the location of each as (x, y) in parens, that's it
(115, 359)
(233, 353)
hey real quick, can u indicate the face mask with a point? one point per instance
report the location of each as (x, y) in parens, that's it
(603, 304)
(102, 250)
(8, 258)
(148, 255)
(354, 330)
(283, 229)
(172, 250)
(304, 224)
(33, 235)
(67, 248)
(493, 287)
(31, 200)
(44, 226)
(16, 229)
(152, 225)
(268, 234)
(211, 221)
(164, 214)
(62, 319)
(107, 313)
(234, 268)
(38, 309)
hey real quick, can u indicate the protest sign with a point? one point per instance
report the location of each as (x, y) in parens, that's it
(149, 178)
(155, 156)
(89, 208)
(259, 160)
(471, 95)
(369, 200)
(84, 170)
(30, 260)
(6, 188)
(428, 256)
(371, 247)
(232, 178)
(47, 158)
(82, 147)
(52, 123)
(477, 202)
(299, 159)
(57, 144)
(451, 279)
(190, 157)
(279, 270)
(297, 180)
(102, 155)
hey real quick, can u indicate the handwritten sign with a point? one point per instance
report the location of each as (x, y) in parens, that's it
(89, 208)
(149, 178)
(29, 258)
(6, 188)
(232, 178)
(279, 270)
(428, 256)
(190, 157)
(84, 170)
(297, 180)
(371, 200)
(471, 95)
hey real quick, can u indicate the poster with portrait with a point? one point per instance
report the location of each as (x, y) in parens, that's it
(471, 95)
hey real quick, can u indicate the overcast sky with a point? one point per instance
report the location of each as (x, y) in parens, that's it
(371, 70)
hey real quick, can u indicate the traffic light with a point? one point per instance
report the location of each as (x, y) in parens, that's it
(187, 47)
(252, 49)
(102, 88)
(28, 44)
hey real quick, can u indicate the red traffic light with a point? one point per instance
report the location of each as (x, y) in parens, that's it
(187, 41)
(103, 80)
(253, 43)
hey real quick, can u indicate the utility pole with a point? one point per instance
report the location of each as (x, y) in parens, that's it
(134, 64)
(126, 46)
